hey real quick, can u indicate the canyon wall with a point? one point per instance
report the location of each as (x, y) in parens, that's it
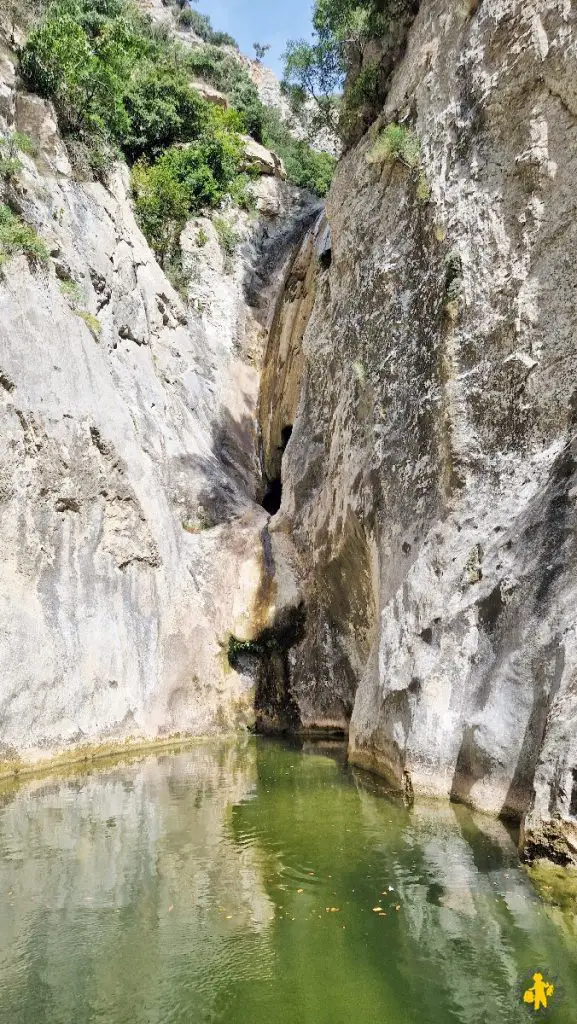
(130, 538)
(429, 481)
(394, 384)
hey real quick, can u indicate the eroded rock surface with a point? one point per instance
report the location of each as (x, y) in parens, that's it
(410, 578)
(130, 533)
(429, 481)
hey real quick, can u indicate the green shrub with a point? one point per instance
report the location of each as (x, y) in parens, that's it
(80, 55)
(304, 166)
(241, 193)
(116, 82)
(181, 183)
(223, 39)
(24, 143)
(228, 240)
(227, 236)
(423, 188)
(92, 322)
(162, 109)
(219, 68)
(201, 25)
(320, 71)
(10, 146)
(71, 291)
(111, 77)
(119, 84)
(10, 167)
(396, 142)
(360, 93)
(17, 237)
(161, 205)
(186, 17)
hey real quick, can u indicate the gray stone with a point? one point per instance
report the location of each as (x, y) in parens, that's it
(428, 487)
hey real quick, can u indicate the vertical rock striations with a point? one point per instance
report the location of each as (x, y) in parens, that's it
(130, 533)
(429, 483)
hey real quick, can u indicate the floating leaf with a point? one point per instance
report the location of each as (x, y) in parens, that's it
(377, 909)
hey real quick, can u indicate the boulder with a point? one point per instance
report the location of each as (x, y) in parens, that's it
(36, 117)
(210, 94)
(258, 158)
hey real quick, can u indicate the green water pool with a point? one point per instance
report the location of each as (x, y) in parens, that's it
(263, 882)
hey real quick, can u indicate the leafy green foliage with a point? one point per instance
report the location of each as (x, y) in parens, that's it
(17, 237)
(9, 166)
(396, 142)
(202, 26)
(352, 20)
(10, 146)
(71, 291)
(23, 143)
(304, 166)
(314, 71)
(229, 76)
(120, 83)
(80, 55)
(261, 50)
(181, 183)
(162, 109)
(91, 321)
(317, 71)
(112, 77)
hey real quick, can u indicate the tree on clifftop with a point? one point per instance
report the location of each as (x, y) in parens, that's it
(261, 49)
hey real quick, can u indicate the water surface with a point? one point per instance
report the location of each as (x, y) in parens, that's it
(238, 883)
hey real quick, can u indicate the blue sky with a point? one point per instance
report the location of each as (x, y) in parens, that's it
(261, 21)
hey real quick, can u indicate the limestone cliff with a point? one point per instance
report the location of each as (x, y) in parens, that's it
(332, 486)
(429, 481)
(129, 535)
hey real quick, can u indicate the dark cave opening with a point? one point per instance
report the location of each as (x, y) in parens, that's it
(272, 497)
(285, 436)
(573, 805)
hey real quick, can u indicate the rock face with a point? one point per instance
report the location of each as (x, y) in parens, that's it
(210, 94)
(128, 459)
(261, 160)
(429, 481)
(410, 578)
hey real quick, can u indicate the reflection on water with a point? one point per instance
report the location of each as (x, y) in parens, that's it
(238, 883)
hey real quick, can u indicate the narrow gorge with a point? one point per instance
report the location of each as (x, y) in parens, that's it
(324, 483)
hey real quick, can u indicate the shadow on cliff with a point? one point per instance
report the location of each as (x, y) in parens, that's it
(230, 473)
(261, 286)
